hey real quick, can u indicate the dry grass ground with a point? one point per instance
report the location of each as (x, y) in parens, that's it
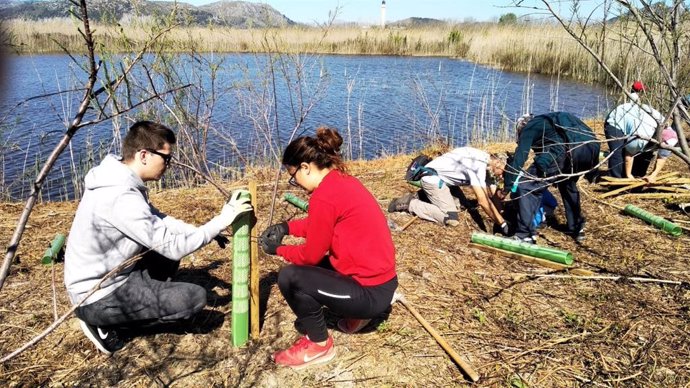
(545, 332)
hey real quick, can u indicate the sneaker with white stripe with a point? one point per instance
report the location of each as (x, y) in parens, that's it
(106, 340)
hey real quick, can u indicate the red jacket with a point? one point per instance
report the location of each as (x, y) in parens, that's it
(345, 222)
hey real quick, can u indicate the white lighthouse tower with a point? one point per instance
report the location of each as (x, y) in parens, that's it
(383, 14)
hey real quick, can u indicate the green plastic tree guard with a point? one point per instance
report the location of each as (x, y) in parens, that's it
(661, 223)
(240, 279)
(55, 248)
(415, 183)
(542, 252)
(299, 202)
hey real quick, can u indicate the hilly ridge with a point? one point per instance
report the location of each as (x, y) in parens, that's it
(240, 14)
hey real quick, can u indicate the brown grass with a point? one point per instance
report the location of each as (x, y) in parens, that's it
(548, 333)
(534, 48)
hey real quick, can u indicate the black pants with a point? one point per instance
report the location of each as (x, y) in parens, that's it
(616, 141)
(147, 298)
(529, 193)
(307, 289)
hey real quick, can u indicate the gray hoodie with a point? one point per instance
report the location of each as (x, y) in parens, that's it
(114, 222)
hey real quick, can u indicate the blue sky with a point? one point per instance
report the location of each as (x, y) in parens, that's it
(368, 11)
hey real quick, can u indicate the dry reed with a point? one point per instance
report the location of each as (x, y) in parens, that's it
(535, 48)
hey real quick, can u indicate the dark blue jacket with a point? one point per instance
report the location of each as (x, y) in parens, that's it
(551, 136)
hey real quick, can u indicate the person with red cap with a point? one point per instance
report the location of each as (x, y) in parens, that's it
(628, 128)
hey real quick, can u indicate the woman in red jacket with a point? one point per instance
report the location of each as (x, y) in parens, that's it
(347, 260)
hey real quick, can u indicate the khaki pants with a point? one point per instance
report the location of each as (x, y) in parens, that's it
(442, 201)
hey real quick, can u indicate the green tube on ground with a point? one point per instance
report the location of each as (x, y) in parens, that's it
(661, 223)
(541, 252)
(240, 279)
(54, 250)
(299, 202)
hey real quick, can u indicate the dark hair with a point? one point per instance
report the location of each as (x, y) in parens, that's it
(146, 134)
(323, 150)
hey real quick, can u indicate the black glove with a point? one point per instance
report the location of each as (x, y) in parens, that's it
(505, 228)
(277, 231)
(272, 237)
(221, 240)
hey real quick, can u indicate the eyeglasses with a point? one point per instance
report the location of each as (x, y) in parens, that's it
(166, 157)
(292, 181)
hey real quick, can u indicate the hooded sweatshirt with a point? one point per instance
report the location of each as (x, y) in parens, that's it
(115, 222)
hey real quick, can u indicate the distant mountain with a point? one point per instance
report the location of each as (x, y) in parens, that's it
(416, 22)
(240, 14)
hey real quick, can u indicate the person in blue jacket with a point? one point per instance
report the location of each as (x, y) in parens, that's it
(564, 149)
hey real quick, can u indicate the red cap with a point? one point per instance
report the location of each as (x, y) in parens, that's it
(638, 86)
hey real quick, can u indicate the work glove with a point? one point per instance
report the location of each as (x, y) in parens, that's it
(222, 241)
(503, 228)
(235, 207)
(272, 237)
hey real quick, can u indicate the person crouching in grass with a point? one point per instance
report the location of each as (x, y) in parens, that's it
(347, 260)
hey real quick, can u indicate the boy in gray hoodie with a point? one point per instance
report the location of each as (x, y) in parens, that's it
(115, 222)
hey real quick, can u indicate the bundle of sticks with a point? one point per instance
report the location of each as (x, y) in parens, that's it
(668, 185)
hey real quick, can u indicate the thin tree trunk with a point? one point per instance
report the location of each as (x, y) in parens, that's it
(71, 130)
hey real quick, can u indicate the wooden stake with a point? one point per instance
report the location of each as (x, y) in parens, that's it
(254, 271)
(634, 185)
(408, 223)
(631, 278)
(532, 260)
(659, 195)
(672, 189)
(464, 366)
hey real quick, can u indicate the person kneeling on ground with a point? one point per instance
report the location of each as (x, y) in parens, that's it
(347, 261)
(627, 128)
(464, 166)
(565, 148)
(115, 222)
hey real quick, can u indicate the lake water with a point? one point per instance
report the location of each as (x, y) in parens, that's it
(381, 105)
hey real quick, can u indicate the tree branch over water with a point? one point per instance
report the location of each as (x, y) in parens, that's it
(88, 99)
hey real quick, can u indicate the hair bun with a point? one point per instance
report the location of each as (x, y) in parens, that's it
(329, 140)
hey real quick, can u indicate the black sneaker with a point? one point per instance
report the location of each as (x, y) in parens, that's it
(401, 204)
(107, 341)
(580, 236)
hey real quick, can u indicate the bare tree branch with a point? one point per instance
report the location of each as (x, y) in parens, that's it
(76, 123)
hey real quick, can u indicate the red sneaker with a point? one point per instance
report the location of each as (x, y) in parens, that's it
(304, 353)
(351, 326)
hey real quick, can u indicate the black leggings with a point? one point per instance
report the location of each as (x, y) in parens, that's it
(307, 289)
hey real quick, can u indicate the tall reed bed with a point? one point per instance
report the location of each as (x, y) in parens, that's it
(535, 48)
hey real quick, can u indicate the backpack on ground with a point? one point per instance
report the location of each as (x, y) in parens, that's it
(416, 170)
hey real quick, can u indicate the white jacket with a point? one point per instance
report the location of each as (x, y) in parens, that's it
(459, 167)
(114, 222)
